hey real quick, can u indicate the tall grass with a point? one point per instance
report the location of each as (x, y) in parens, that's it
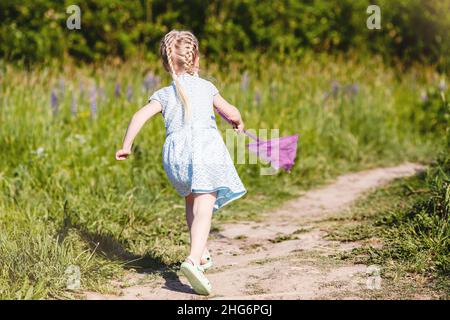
(410, 217)
(65, 201)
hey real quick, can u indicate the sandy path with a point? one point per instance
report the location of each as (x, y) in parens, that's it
(285, 256)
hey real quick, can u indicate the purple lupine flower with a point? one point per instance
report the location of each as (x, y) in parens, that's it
(54, 102)
(129, 93)
(244, 81)
(335, 88)
(93, 101)
(257, 98)
(351, 89)
(117, 92)
(424, 96)
(73, 105)
(149, 81)
(355, 89)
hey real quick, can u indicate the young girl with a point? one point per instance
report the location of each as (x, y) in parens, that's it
(195, 157)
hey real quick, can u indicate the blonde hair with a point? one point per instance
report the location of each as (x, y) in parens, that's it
(180, 49)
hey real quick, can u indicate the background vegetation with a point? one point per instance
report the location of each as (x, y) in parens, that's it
(411, 218)
(307, 67)
(228, 30)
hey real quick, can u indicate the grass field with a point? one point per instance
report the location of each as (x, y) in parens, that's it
(410, 218)
(65, 201)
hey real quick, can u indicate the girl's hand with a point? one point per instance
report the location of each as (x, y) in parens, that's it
(239, 128)
(122, 154)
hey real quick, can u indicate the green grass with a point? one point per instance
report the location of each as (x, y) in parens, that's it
(411, 220)
(64, 200)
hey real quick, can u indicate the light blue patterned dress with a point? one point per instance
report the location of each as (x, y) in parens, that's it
(195, 157)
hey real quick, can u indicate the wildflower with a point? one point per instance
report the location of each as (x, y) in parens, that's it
(424, 96)
(117, 90)
(84, 114)
(129, 93)
(54, 102)
(40, 152)
(351, 89)
(73, 105)
(149, 81)
(80, 138)
(93, 101)
(257, 98)
(335, 88)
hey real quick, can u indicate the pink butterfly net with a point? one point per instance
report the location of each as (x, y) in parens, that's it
(279, 152)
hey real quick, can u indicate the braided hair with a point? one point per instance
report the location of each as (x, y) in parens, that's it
(179, 50)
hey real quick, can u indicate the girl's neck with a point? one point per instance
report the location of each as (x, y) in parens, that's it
(187, 74)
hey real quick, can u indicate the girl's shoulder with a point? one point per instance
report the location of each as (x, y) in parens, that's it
(162, 94)
(208, 85)
(199, 81)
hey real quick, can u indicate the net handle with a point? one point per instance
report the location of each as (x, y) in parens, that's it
(248, 134)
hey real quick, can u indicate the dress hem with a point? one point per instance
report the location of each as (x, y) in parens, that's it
(235, 195)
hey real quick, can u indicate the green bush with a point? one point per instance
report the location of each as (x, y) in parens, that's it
(228, 30)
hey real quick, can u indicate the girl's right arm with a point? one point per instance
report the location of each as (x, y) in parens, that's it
(136, 123)
(230, 111)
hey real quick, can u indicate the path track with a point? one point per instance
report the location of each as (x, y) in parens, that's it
(285, 256)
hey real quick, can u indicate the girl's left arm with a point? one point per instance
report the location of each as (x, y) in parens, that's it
(136, 123)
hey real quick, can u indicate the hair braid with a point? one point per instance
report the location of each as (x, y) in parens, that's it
(190, 51)
(168, 43)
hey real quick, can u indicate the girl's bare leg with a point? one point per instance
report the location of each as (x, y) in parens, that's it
(190, 218)
(199, 207)
(189, 210)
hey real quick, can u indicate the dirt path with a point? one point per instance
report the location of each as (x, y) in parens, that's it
(286, 256)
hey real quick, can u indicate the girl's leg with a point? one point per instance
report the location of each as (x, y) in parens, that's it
(189, 210)
(202, 208)
(190, 218)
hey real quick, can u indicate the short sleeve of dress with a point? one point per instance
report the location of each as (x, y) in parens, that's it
(160, 96)
(156, 96)
(213, 89)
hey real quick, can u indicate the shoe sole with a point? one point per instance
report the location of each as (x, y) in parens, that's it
(196, 284)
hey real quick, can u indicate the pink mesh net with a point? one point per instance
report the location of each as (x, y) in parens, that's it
(279, 152)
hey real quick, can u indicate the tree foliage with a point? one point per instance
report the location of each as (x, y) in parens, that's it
(35, 31)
